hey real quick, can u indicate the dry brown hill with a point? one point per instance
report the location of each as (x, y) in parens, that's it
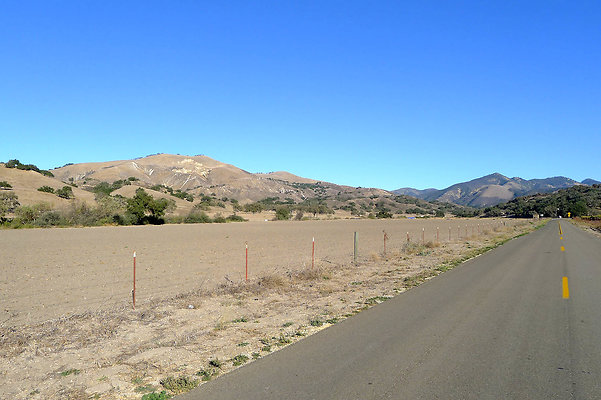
(25, 185)
(204, 175)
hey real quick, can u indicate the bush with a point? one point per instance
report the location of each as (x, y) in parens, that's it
(5, 185)
(108, 188)
(46, 189)
(65, 192)
(235, 218)
(254, 207)
(383, 214)
(49, 218)
(219, 219)
(183, 195)
(8, 203)
(282, 213)
(197, 218)
(26, 215)
(144, 209)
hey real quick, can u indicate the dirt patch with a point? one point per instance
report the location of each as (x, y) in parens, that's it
(211, 326)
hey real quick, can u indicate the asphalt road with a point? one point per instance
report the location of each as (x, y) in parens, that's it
(501, 326)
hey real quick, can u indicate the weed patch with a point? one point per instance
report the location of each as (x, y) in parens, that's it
(207, 374)
(179, 385)
(239, 360)
(156, 396)
(72, 371)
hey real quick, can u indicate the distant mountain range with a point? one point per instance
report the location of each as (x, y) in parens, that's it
(201, 175)
(493, 189)
(191, 180)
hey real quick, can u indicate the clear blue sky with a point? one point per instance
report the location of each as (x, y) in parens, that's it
(364, 93)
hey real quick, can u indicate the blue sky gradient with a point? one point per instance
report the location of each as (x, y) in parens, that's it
(380, 94)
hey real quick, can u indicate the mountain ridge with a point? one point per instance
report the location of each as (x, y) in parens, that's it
(202, 175)
(493, 189)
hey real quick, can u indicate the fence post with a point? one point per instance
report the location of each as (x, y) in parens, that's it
(313, 255)
(246, 246)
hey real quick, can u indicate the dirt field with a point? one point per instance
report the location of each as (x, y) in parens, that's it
(196, 317)
(52, 273)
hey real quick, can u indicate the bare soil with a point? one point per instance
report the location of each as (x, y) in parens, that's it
(68, 329)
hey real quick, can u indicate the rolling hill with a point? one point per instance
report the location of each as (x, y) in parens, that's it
(203, 175)
(200, 182)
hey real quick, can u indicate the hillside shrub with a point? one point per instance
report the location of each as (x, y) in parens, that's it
(144, 209)
(108, 188)
(254, 207)
(26, 215)
(219, 219)
(282, 213)
(183, 195)
(65, 192)
(27, 167)
(46, 189)
(5, 185)
(235, 218)
(8, 203)
(383, 214)
(197, 218)
(48, 219)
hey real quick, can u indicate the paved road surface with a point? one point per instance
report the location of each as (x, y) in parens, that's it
(501, 326)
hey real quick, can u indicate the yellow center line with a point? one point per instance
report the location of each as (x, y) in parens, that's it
(560, 232)
(566, 290)
(563, 248)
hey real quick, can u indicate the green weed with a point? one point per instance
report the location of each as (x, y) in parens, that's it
(179, 385)
(239, 360)
(71, 371)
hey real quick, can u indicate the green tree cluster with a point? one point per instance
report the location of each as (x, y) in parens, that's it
(145, 209)
(26, 167)
(578, 201)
